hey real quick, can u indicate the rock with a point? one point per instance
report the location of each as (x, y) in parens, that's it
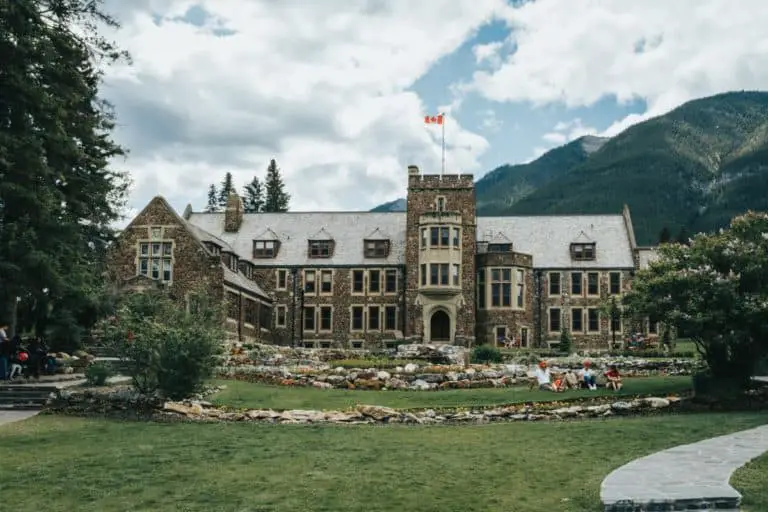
(322, 385)
(188, 410)
(382, 375)
(657, 403)
(568, 412)
(376, 412)
(420, 385)
(621, 406)
(396, 383)
(411, 368)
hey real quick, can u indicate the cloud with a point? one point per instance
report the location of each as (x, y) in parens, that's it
(225, 85)
(566, 131)
(664, 52)
(490, 123)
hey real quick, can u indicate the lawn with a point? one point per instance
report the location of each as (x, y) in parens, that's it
(750, 481)
(247, 395)
(59, 464)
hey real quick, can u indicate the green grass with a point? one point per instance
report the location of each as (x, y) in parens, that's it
(750, 480)
(108, 466)
(258, 396)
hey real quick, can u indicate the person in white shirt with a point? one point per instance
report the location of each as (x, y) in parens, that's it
(588, 376)
(543, 377)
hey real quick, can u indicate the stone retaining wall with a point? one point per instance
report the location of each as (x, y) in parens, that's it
(125, 403)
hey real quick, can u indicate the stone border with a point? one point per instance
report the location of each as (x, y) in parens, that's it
(688, 477)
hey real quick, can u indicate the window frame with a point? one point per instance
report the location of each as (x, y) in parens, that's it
(321, 309)
(502, 283)
(388, 275)
(577, 279)
(306, 281)
(323, 274)
(596, 293)
(164, 258)
(280, 308)
(320, 249)
(555, 314)
(376, 248)
(550, 283)
(580, 316)
(268, 250)
(281, 285)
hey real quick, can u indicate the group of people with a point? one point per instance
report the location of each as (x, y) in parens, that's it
(584, 378)
(14, 357)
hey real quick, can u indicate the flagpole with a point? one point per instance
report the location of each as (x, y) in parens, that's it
(442, 169)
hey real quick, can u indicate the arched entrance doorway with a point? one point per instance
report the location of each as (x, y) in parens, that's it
(440, 326)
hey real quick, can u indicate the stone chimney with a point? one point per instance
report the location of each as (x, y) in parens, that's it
(233, 214)
(413, 170)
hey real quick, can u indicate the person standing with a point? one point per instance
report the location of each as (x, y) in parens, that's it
(5, 351)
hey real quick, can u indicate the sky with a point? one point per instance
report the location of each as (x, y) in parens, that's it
(336, 90)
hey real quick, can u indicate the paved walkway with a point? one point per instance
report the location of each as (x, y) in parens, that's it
(11, 416)
(692, 474)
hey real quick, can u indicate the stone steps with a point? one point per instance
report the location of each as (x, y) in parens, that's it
(24, 397)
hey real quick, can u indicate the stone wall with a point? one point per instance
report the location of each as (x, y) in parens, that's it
(583, 339)
(513, 319)
(193, 266)
(341, 299)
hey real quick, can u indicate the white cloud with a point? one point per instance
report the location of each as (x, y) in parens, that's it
(320, 86)
(566, 131)
(490, 122)
(664, 52)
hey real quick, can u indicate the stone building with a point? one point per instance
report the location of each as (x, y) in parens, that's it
(159, 246)
(436, 273)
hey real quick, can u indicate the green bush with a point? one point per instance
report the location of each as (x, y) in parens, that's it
(96, 374)
(166, 348)
(761, 369)
(483, 354)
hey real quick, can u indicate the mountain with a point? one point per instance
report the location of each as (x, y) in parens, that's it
(693, 169)
(690, 170)
(504, 186)
(398, 205)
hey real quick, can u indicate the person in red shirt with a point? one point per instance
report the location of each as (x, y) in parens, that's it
(614, 378)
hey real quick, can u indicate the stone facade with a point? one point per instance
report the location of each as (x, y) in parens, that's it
(436, 273)
(159, 246)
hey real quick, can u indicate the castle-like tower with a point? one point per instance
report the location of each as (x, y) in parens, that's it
(440, 257)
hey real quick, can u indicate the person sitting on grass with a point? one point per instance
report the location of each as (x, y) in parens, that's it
(588, 376)
(614, 378)
(571, 380)
(543, 377)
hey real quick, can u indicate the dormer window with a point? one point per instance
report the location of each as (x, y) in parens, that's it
(583, 252)
(215, 249)
(232, 262)
(247, 269)
(376, 248)
(265, 248)
(499, 247)
(320, 248)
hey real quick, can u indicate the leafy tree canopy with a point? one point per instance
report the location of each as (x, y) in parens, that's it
(716, 291)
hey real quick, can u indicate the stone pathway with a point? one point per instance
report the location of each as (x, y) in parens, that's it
(12, 416)
(688, 476)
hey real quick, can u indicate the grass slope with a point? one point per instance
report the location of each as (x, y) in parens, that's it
(64, 464)
(750, 480)
(246, 395)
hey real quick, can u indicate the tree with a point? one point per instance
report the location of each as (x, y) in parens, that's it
(58, 195)
(226, 188)
(665, 236)
(716, 291)
(254, 196)
(277, 198)
(682, 236)
(565, 340)
(213, 200)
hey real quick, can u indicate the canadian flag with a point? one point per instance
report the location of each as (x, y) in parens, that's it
(438, 119)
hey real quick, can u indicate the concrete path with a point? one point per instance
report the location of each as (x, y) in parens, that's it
(686, 476)
(12, 416)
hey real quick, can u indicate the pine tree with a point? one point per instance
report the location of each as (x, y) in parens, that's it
(58, 195)
(226, 188)
(213, 200)
(254, 196)
(277, 198)
(665, 236)
(682, 236)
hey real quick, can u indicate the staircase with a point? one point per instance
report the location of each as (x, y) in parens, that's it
(24, 397)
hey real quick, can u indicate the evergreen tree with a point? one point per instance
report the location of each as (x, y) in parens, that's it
(665, 236)
(254, 196)
(277, 198)
(213, 200)
(226, 187)
(682, 236)
(565, 340)
(58, 196)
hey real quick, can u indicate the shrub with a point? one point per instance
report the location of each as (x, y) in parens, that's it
(483, 354)
(97, 374)
(165, 347)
